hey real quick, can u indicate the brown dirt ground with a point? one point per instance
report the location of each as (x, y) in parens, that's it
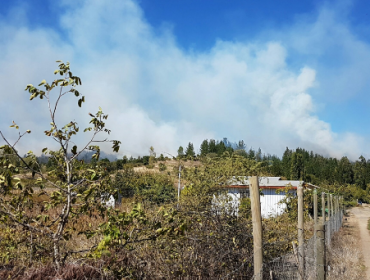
(361, 215)
(169, 163)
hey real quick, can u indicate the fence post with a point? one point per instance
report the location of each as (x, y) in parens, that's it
(334, 229)
(257, 226)
(323, 207)
(320, 252)
(332, 216)
(341, 209)
(335, 213)
(315, 206)
(338, 213)
(315, 217)
(300, 233)
(328, 231)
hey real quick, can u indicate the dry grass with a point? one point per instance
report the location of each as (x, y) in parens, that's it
(344, 257)
(170, 164)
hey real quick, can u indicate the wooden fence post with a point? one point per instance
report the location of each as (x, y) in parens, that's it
(341, 207)
(315, 214)
(320, 252)
(328, 231)
(332, 215)
(338, 213)
(335, 213)
(323, 207)
(332, 199)
(300, 233)
(257, 226)
(315, 217)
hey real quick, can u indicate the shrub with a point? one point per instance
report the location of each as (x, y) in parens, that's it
(162, 167)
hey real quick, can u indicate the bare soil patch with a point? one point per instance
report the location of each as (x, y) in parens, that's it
(361, 215)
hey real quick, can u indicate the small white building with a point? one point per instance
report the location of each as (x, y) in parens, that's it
(270, 206)
(108, 200)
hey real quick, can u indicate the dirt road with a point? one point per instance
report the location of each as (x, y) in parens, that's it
(362, 214)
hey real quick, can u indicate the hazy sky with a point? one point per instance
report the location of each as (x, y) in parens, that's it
(273, 73)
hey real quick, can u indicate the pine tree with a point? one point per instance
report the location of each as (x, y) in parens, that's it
(251, 153)
(276, 166)
(297, 166)
(221, 148)
(190, 150)
(259, 155)
(241, 145)
(180, 152)
(344, 171)
(360, 170)
(204, 148)
(286, 163)
(212, 146)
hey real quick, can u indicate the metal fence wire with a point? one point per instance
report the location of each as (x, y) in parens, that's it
(287, 267)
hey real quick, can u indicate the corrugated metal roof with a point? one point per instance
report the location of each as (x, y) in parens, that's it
(268, 182)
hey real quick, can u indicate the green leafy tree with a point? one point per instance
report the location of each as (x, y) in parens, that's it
(215, 174)
(155, 188)
(78, 192)
(152, 153)
(125, 160)
(119, 164)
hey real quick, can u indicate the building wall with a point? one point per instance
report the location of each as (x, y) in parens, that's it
(270, 205)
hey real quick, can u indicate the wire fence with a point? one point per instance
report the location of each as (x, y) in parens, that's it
(286, 267)
(280, 266)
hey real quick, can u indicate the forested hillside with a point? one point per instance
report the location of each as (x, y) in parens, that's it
(298, 164)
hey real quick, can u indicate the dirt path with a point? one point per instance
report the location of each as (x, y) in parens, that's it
(362, 214)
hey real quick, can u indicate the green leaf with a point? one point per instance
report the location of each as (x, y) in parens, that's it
(42, 83)
(74, 150)
(82, 99)
(28, 86)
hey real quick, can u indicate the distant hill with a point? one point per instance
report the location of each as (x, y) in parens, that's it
(85, 155)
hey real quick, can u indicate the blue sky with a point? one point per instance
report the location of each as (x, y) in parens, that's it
(274, 73)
